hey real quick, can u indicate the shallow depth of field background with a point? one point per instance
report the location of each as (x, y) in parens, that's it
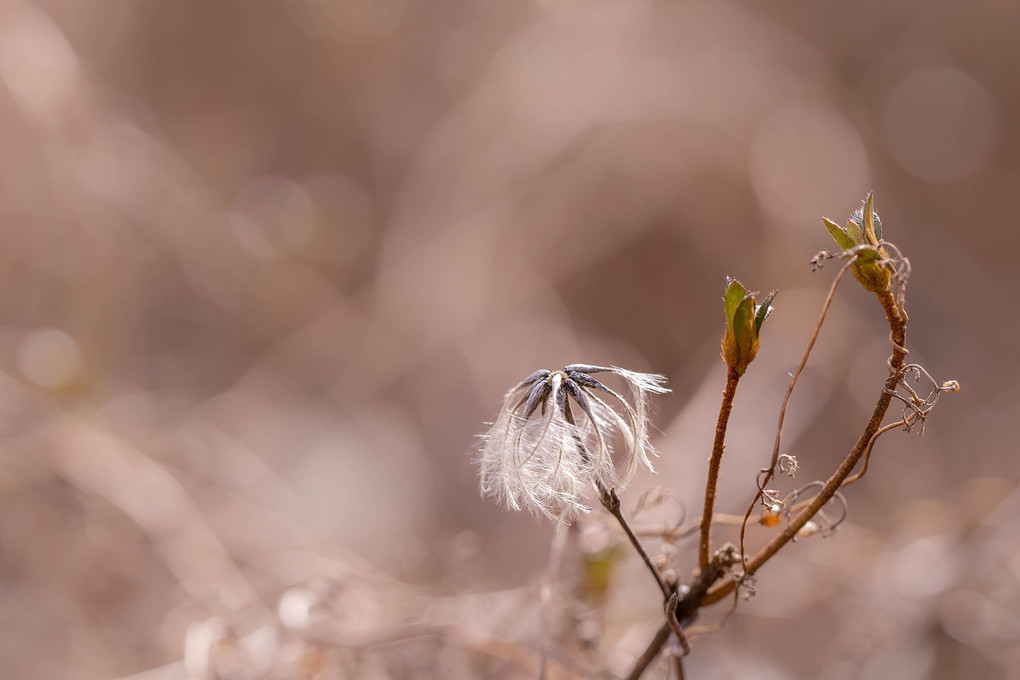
(267, 269)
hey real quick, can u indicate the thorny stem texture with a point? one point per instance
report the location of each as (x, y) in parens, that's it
(715, 462)
(898, 331)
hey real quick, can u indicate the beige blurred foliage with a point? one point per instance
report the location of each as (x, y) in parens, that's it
(268, 267)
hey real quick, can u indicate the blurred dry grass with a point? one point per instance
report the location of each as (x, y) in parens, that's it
(267, 267)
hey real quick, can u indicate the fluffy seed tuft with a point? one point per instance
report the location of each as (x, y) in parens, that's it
(552, 440)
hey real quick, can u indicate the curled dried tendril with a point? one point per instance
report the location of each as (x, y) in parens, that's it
(896, 262)
(748, 587)
(915, 406)
(788, 465)
(771, 498)
(657, 497)
(822, 523)
(776, 508)
(818, 261)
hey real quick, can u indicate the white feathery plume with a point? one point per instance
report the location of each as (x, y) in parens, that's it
(552, 440)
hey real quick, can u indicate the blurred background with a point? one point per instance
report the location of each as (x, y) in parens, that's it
(268, 268)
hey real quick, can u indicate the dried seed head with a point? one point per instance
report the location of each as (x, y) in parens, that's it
(553, 438)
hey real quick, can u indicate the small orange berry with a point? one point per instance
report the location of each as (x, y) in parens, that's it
(770, 516)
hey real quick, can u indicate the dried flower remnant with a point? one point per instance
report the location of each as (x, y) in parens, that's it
(788, 465)
(553, 439)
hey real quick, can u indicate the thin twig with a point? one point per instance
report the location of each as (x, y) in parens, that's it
(651, 652)
(897, 338)
(545, 594)
(718, 447)
(713, 584)
(770, 471)
(675, 626)
(871, 445)
(684, 530)
(678, 666)
(611, 501)
(681, 639)
(686, 609)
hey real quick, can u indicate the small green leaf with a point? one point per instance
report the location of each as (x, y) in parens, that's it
(735, 293)
(743, 324)
(854, 232)
(838, 234)
(764, 310)
(868, 220)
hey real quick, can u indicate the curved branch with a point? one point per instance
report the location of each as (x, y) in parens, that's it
(898, 330)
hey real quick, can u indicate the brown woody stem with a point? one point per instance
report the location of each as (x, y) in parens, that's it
(611, 501)
(770, 471)
(711, 585)
(651, 652)
(714, 463)
(898, 331)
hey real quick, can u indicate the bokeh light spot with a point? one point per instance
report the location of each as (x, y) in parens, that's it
(804, 160)
(940, 124)
(273, 216)
(50, 358)
(37, 62)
